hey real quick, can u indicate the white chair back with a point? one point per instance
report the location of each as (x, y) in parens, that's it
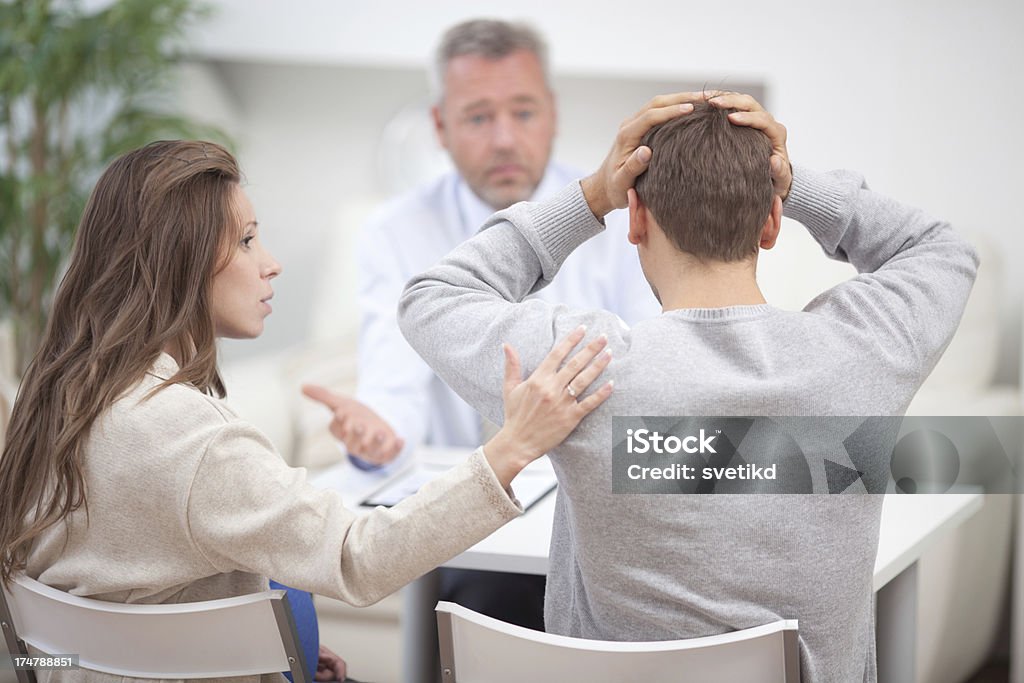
(240, 636)
(478, 649)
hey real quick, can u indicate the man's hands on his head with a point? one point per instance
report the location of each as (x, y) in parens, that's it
(752, 114)
(365, 434)
(606, 188)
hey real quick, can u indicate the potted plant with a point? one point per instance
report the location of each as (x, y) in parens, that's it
(77, 88)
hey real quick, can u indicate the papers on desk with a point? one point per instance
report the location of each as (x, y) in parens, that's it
(530, 486)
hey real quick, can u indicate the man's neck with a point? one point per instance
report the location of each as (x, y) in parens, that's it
(714, 284)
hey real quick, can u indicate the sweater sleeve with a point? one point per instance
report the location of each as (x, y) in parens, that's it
(915, 272)
(248, 511)
(457, 314)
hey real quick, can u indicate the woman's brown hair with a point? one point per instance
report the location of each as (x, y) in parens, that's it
(150, 240)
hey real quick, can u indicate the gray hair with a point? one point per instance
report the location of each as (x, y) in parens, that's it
(488, 38)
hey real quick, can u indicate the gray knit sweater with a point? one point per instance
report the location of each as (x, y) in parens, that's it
(653, 567)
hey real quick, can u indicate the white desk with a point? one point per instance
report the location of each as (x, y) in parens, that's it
(910, 525)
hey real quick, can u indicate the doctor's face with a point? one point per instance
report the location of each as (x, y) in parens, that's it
(497, 121)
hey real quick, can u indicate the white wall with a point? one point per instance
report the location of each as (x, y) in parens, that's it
(921, 97)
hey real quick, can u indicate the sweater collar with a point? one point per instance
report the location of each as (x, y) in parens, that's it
(725, 314)
(164, 366)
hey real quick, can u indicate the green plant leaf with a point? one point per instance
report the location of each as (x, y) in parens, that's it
(77, 88)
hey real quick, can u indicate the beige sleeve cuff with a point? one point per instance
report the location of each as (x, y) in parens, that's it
(480, 460)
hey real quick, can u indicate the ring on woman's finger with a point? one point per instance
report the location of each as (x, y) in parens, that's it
(572, 392)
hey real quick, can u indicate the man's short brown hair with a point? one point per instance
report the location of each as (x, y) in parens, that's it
(708, 184)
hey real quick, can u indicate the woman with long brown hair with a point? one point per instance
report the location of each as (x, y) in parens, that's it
(125, 477)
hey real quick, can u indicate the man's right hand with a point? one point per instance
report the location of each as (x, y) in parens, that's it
(365, 434)
(606, 188)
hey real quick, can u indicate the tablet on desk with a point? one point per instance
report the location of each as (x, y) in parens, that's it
(529, 487)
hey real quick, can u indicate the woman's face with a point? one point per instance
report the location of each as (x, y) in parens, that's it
(241, 291)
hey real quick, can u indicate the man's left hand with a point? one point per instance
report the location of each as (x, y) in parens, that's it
(752, 114)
